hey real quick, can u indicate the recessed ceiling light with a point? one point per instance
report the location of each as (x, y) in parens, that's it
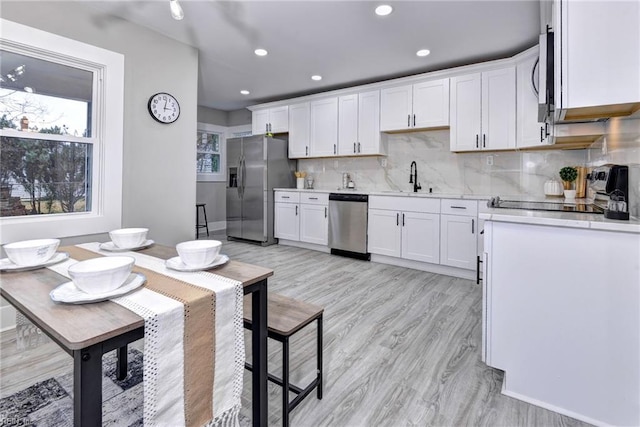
(28, 89)
(423, 52)
(244, 92)
(383, 10)
(316, 77)
(260, 52)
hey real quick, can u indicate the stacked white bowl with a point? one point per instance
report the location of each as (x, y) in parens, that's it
(100, 275)
(198, 253)
(31, 252)
(127, 238)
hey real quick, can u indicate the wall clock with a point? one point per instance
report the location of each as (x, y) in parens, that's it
(164, 108)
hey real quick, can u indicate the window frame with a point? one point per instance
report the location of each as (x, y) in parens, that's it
(222, 131)
(107, 134)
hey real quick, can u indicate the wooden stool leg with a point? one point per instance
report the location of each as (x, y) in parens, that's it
(319, 357)
(197, 222)
(285, 382)
(206, 223)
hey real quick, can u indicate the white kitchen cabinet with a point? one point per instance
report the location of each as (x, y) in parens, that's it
(270, 120)
(530, 132)
(323, 138)
(302, 216)
(359, 124)
(404, 228)
(458, 233)
(483, 110)
(299, 130)
(418, 106)
(596, 72)
(286, 218)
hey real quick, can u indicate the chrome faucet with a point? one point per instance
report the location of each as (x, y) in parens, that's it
(413, 177)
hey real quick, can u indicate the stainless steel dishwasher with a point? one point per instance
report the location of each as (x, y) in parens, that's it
(348, 225)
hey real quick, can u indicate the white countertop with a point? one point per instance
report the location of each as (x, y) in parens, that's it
(394, 193)
(561, 219)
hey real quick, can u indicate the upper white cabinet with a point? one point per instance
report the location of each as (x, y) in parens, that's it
(483, 110)
(596, 58)
(359, 124)
(299, 130)
(530, 133)
(270, 120)
(419, 106)
(323, 138)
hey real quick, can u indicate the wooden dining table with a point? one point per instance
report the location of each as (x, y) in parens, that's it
(88, 331)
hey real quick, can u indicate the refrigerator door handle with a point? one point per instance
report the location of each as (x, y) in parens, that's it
(244, 174)
(239, 179)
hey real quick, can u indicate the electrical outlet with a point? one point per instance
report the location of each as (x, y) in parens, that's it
(383, 162)
(489, 160)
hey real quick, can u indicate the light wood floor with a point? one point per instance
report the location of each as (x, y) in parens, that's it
(401, 347)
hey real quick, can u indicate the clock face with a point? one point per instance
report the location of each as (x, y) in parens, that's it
(164, 108)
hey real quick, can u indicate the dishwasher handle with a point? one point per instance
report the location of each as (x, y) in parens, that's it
(341, 197)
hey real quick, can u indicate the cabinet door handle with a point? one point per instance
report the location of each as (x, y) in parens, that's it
(266, 127)
(546, 129)
(325, 212)
(285, 197)
(306, 150)
(397, 219)
(403, 220)
(313, 198)
(458, 207)
(296, 210)
(354, 147)
(334, 149)
(484, 140)
(541, 133)
(477, 139)
(408, 120)
(359, 151)
(414, 120)
(473, 226)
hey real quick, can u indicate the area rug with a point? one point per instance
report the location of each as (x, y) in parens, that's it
(50, 403)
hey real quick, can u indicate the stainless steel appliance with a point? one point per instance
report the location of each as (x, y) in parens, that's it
(497, 203)
(348, 225)
(255, 166)
(617, 188)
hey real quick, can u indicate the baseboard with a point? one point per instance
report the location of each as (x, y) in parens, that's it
(304, 245)
(213, 226)
(548, 406)
(7, 318)
(425, 266)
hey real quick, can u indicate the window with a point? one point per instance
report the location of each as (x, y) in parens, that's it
(61, 126)
(210, 144)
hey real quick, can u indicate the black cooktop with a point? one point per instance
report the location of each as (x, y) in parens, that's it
(548, 206)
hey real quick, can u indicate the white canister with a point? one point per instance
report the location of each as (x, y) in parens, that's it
(300, 183)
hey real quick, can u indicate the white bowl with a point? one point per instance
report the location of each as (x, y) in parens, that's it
(99, 275)
(31, 252)
(198, 253)
(129, 237)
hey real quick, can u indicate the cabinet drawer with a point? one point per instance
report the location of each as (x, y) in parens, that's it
(459, 207)
(405, 203)
(314, 198)
(287, 196)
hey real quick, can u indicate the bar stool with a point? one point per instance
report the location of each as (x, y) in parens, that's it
(285, 317)
(198, 225)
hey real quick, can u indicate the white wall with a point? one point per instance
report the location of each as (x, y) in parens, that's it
(159, 176)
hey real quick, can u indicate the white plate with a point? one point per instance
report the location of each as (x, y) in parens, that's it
(111, 247)
(176, 263)
(67, 292)
(7, 265)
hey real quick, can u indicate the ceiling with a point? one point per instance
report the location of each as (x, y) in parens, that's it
(343, 41)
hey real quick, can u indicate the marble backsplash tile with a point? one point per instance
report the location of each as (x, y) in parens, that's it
(489, 173)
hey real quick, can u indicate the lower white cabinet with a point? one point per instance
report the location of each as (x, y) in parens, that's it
(412, 233)
(459, 233)
(302, 216)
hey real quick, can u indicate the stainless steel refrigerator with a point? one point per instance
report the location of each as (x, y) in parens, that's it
(255, 166)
